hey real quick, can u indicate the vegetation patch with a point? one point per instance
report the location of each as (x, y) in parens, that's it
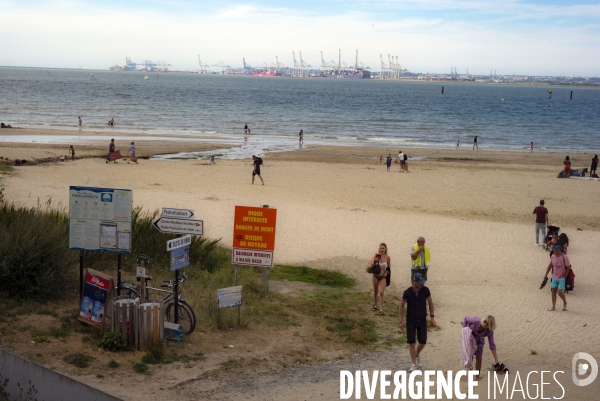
(140, 367)
(112, 341)
(79, 359)
(312, 276)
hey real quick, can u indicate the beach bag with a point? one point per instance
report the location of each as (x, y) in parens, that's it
(388, 279)
(374, 269)
(405, 157)
(114, 155)
(133, 159)
(570, 281)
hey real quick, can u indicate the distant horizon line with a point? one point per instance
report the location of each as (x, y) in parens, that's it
(215, 73)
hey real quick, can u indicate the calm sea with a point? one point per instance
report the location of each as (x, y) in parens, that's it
(330, 111)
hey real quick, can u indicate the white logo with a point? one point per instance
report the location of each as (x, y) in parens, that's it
(582, 369)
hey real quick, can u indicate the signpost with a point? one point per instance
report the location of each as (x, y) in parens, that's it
(100, 221)
(228, 298)
(178, 221)
(179, 226)
(254, 239)
(179, 242)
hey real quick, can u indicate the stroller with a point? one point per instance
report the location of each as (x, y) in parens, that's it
(553, 232)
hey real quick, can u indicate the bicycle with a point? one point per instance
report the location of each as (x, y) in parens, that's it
(186, 315)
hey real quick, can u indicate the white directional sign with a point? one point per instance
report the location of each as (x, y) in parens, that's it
(177, 213)
(229, 297)
(179, 242)
(179, 226)
(250, 257)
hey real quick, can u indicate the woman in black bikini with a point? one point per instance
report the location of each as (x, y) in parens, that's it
(381, 276)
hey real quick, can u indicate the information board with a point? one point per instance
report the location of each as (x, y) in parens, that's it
(180, 257)
(229, 297)
(100, 219)
(253, 236)
(95, 296)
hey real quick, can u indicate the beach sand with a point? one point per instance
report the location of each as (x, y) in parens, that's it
(336, 204)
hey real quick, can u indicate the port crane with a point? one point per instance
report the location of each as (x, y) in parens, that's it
(224, 67)
(202, 66)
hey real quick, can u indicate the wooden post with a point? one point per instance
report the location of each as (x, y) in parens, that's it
(118, 274)
(265, 273)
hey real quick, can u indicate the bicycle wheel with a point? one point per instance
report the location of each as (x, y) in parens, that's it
(187, 317)
(131, 292)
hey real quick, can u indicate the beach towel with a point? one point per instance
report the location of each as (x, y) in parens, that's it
(468, 346)
(114, 155)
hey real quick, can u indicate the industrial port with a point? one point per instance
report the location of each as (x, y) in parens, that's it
(389, 69)
(297, 68)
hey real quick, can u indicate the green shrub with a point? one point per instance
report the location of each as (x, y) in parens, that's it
(155, 355)
(140, 367)
(35, 258)
(112, 341)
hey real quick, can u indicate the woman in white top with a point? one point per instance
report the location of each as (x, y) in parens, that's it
(401, 161)
(381, 277)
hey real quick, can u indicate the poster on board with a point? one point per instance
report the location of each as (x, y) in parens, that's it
(100, 219)
(96, 290)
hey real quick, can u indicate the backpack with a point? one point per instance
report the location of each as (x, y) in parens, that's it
(405, 157)
(260, 160)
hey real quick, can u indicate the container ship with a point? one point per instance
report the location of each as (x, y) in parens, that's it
(357, 73)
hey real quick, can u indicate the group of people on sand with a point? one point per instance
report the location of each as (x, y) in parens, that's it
(417, 298)
(402, 160)
(114, 154)
(559, 265)
(567, 167)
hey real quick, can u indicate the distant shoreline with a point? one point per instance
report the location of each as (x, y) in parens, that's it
(433, 80)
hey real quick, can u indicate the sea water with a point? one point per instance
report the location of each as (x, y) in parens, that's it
(215, 108)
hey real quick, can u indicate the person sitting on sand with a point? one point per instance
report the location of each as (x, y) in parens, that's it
(381, 264)
(567, 171)
(479, 330)
(64, 158)
(20, 162)
(212, 159)
(560, 266)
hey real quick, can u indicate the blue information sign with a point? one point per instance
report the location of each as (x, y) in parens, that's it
(180, 257)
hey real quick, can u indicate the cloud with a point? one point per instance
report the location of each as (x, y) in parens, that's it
(69, 34)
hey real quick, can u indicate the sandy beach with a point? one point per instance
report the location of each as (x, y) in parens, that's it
(336, 204)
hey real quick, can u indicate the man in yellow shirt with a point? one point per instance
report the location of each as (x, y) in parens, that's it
(421, 258)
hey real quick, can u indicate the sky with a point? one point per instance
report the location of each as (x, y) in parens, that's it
(522, 37)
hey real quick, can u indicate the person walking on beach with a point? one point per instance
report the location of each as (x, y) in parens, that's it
(381, 158)
(72, 152)
(401, 161)
(594, 165)
(111, 149)
(301, 137)
(388, 161)
(475, 143)
(246, 130)
(421, 258)
(79, 120)
(381, 264)
(561, 267)
(541, 222)
(458, 144)
(256, 162)
(567, 171)
(479, 329)
(531, 147)
(132, 156)
(416, 297)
